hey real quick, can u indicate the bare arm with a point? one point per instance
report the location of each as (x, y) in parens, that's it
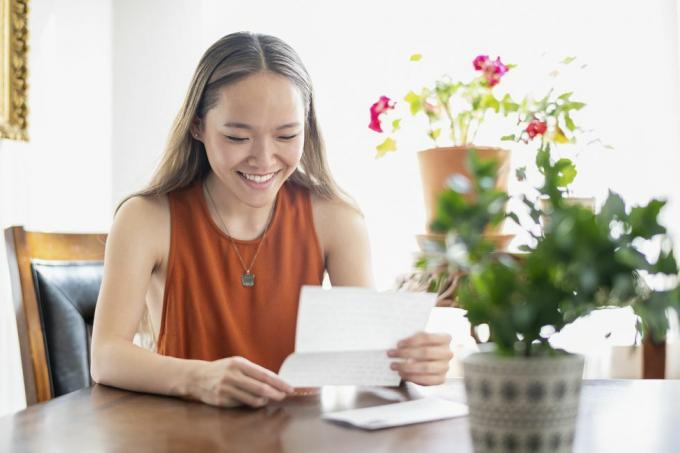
(344, 240)
(136, 246)
(132, 253)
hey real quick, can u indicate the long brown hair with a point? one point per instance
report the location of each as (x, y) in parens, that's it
(230, 59)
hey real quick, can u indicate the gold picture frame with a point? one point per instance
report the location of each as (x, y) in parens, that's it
(14, 69)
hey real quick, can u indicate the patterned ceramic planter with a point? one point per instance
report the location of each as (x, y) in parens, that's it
(522, 405)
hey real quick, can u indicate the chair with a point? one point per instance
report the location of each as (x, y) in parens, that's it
(55, 280)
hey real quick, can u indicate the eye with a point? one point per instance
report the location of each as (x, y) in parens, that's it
(288, 137)
(236, 139)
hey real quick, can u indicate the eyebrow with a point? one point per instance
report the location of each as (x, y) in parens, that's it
(249, 127)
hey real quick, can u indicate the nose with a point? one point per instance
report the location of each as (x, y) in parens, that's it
(262, 154)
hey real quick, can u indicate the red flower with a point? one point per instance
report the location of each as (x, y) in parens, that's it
(384, 104)
(480, 62)
(493, 70)
(536, 127)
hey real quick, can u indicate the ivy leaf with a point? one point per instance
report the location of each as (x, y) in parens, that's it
(385, 147)
(415, 57)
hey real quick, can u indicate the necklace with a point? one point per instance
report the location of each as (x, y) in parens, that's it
(247, 278)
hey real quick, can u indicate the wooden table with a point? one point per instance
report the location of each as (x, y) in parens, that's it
(616, 416)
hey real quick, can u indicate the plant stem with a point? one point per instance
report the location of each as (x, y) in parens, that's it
(479, 123)
(452, 123)
(429, 121)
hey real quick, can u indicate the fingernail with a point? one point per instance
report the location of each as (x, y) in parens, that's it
(393, 366)
(391, 352)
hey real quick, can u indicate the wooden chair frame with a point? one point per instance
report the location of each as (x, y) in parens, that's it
(22, 247)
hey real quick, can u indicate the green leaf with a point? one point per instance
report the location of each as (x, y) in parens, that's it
(513, 216)
(613, 208)
(566, 172)
(569, 123)
(643, 219)
(565, 96)
(415, 57)
(415, 102)
(666, 264)
(508, 138)
(568, 60)
(435, 133)
(395, 124)
(573, 105)
(388, 145)
(521, 173)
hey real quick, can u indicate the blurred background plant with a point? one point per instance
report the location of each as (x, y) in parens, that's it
(454, 109)
(581, 262)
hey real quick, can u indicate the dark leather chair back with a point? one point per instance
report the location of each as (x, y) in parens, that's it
(55, 281)
(67, 295)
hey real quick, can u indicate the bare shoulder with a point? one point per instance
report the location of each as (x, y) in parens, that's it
(343, 237)
(335, 219)
(144, 222)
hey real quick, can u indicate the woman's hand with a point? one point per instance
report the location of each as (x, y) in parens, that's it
(426, 358)
(236, 381)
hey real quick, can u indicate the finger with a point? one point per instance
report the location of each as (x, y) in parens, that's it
(423, 353)
(244, 397)
(258, 388)
(425, 339)
(425, 379)
(262, 374)
(421, 367)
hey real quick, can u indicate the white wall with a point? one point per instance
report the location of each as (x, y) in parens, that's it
(108, 77)
(156, 46)
(61, 179)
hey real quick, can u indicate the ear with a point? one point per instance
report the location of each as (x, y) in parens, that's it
(196, 129)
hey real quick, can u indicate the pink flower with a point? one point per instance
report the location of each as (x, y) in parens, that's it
(384, 104)
(536, 127)
(480, 62)
(493, 70)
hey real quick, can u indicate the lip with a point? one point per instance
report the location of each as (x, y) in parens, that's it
(257, 185)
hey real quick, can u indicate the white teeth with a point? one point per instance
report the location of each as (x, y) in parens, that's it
(257, 178)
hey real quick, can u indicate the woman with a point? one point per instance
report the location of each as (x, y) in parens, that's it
(241, 213)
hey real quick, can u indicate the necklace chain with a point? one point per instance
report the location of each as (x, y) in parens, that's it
(248, 279)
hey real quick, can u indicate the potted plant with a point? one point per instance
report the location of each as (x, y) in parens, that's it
(523, 393)
(454, 110)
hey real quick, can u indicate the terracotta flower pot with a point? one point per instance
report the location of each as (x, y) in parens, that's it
(438, 164)
(523, 404)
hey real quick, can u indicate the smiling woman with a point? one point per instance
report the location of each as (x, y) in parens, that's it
(241, 213)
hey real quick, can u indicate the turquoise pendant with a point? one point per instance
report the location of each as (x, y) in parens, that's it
(248, 279)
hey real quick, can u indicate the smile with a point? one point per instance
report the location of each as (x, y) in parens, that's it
(259, 179)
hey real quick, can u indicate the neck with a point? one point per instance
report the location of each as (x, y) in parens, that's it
(243, 222)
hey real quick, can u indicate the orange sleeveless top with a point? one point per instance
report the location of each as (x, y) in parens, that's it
(207, 313)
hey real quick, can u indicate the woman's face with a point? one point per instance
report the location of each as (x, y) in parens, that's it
(254, 136)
